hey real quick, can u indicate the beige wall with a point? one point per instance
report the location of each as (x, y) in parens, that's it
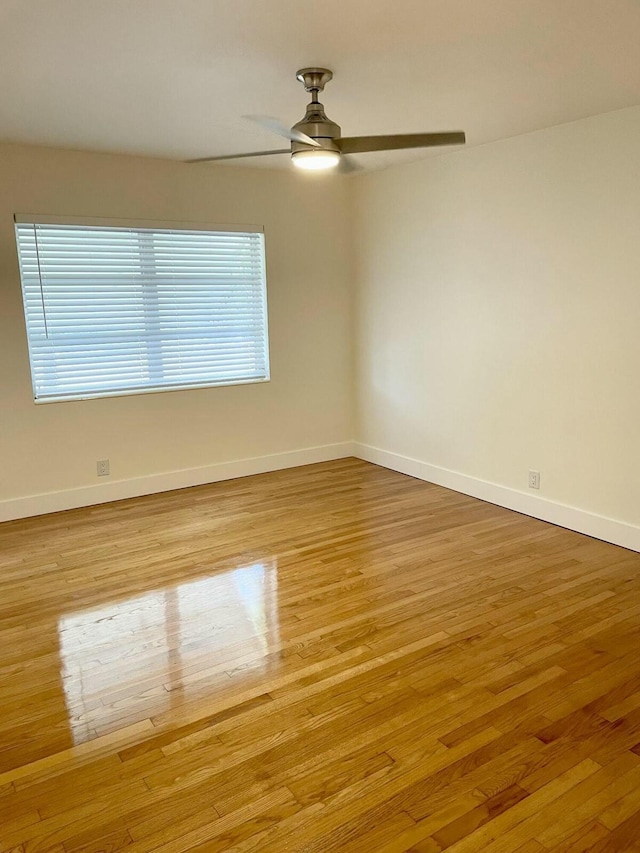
(496, 325)
(498, 312)
(55, 446)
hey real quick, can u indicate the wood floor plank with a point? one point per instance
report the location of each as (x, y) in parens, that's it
(330, 658)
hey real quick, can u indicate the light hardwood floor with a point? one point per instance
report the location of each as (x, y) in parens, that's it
(330, 658)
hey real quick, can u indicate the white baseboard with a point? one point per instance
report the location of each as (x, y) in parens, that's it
(600, 527)
(117, 490)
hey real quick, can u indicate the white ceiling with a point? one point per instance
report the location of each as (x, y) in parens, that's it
(173, 78)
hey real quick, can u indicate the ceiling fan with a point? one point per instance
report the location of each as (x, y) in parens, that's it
(316, 142)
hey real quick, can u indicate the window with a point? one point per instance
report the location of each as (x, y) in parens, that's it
(113, 309)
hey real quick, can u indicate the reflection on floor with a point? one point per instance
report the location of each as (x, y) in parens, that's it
(169, 640)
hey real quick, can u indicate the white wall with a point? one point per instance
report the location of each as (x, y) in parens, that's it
(498, 314)
(54, 447)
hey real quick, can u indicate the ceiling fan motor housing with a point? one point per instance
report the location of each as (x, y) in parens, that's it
(316, 125)
(315, 122)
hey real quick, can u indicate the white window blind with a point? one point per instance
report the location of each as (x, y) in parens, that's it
(121, 310)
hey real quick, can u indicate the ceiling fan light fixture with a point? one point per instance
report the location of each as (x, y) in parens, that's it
(315, 160)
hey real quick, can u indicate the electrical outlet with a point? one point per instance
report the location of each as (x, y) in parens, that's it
(102, 467)
(534, 479)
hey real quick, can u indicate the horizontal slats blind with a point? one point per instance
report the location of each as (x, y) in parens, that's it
(114, 310)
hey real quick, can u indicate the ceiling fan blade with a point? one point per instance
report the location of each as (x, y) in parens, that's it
(362, 144)
(238, 156)
(279, 127)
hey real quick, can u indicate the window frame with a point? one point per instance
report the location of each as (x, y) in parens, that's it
(154, 225)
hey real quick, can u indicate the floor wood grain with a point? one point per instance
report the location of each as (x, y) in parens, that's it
(330, 658)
